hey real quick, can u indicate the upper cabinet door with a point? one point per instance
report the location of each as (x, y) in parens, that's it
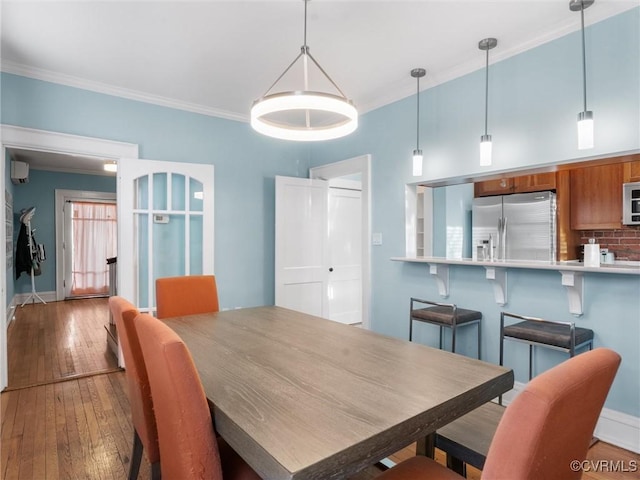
(538, 182)
(596, 197)
(501, 186)
(632, 172)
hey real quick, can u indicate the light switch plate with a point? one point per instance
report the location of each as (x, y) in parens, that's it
(377, 238)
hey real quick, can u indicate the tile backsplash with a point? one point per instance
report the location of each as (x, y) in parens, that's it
(623, 242)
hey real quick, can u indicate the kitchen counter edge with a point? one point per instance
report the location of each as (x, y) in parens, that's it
(630, 268)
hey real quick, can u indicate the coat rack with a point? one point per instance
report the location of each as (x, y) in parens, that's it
(33, 252)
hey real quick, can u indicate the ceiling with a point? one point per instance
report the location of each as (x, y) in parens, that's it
(217, 57)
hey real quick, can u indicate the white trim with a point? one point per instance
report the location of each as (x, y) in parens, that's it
(56, 142)
(20, 298)
(396, 92)
(62, 196)
(47, 141)
(10, 311)
(99, 87)
(4, 324)
(352, 166)
(617, 428)
(604, 11)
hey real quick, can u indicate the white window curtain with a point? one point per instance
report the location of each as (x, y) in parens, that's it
(94, 233)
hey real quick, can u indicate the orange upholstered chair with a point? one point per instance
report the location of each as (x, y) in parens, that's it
(188, 447)
(145, 434)
(544, 429)
(187, 295)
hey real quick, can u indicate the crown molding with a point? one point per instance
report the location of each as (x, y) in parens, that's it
(605, 10)
(84, 84)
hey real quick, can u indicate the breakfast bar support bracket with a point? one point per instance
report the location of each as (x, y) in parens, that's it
(498, 277)
(440, 273)
(574, 283)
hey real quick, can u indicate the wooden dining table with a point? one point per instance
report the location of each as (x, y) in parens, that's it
(298, 396)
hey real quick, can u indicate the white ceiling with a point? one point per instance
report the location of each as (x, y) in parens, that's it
(217, 57)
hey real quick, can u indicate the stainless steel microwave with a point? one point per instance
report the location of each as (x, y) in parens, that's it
(631, 203)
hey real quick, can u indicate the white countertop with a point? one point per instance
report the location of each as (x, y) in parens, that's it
(618, 267)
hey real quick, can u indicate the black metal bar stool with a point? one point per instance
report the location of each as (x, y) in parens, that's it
(563, 336)
(443, 315)
(466, 440)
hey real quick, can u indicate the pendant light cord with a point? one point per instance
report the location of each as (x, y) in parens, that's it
(584, 59)
(486, 94)
(418, 113)
(304, 51)
(305, 24)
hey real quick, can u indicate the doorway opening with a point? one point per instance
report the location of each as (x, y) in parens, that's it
(90, 233)
(86, 236)
(74, 149)
(343, 174)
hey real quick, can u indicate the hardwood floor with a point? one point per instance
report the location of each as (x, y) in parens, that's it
(81, 428)
(58, 340)
(75, 429)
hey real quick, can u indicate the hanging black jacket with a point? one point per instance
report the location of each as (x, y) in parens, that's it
(23, 256)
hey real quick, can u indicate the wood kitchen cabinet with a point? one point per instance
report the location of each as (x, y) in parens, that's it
(632, 171)
(539, 182)
(502, 186)
(596, 197)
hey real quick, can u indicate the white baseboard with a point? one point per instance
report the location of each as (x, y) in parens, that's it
(617, 428)
(19, 298)
(10, 313)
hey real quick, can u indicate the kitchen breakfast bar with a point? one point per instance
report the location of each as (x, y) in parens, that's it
(605, 299)
(572, 275)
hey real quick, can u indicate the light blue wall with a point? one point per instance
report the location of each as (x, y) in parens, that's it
(534, 101)
(245, 165)
(39, 192)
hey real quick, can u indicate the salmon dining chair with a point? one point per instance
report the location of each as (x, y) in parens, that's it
(544, 431)
(188, 447)
(186, 295)
(145, 435)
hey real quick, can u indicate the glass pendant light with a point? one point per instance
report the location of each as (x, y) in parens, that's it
(304, 115)
(485, 140)
(585, 118)
(417, 73)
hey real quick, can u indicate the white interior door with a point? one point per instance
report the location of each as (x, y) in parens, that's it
(345, 253)
(301, 244)
(165, 213)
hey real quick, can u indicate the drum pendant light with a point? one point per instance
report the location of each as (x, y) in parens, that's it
(585, 118)
(304, 115)
(485, 140)
(417, 73)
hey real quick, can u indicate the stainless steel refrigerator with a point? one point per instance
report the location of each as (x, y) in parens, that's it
(521, 226)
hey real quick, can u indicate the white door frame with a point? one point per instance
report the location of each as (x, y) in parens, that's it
(46, 141)
(61, 197)
(353, 166)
